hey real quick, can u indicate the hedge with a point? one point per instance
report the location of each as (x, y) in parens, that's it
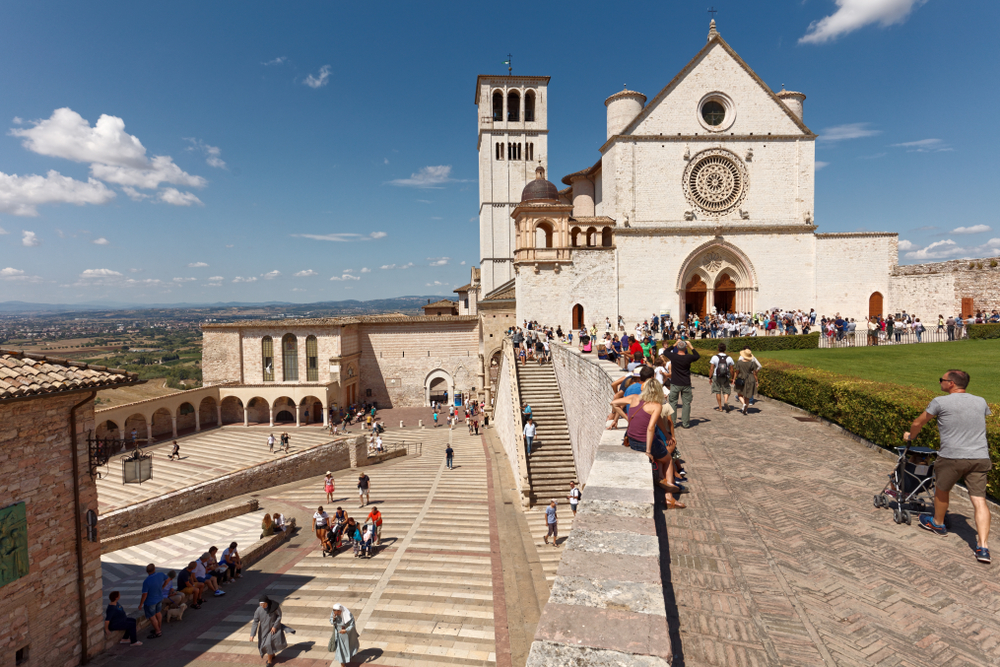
(759, 343)
(984, 331)
(877, 411)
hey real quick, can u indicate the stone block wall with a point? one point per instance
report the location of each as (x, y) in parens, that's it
(923, 295)
(221, 356)
(507, 419)
(40, 611)
(939, 287)
(585, 388)
(850, 268)
(312, 462)
(177, 525)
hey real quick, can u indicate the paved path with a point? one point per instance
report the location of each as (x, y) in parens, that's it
(433, 594)
(781, 559)
(206, 455)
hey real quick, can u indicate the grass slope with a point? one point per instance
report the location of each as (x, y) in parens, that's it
(918, 365)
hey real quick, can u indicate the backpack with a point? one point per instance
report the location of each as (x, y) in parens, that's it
(722, 368)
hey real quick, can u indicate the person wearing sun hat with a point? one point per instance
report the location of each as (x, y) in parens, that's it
(745, 378)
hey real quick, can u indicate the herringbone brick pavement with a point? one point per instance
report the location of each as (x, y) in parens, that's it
(781, 559)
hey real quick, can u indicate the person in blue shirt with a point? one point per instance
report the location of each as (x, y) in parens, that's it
(152, 599)
(115, 618)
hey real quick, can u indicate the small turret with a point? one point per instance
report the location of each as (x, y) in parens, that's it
(623, 107)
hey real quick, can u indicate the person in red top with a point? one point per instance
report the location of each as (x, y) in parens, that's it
(635, 349)
(376, 518)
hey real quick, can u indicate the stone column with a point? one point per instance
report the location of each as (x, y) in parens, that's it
(149, 429)
(246, 416)
(298, 416)
(218, 410)
(173, 425)
(709, 300)
(270, 410)
(197, 421)
(326, 416)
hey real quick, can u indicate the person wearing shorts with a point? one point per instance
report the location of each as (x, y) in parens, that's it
(364, 486)
(552, 522)
(964, 454)
(152, 599)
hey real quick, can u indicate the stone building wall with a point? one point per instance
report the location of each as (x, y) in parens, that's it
(396, 359)
(221, 356)
(506, 419)
(41, 611)
(548, 297)
(849, 268)
(976, 279)
(923, 295)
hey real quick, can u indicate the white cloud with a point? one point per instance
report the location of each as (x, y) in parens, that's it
(271, 275)
(21, 195)
(346, 276)
(184, 280)
(321, 80)
(848, 131)
(178, 198)
(211, 284)
(3, 231)
(100, 274)
(135, 270)
(251, 279)
(948, 249)
(280, 60)
(343, 237)
(462, 263)
(197, 265)
(29, 239)
(114, 155)
(145, 282)
(348, 271)
(925, 146)
(212, 153)
(306, 273)
(436, 283)
(17, 120)
(215, 279)
(101, 241)
(974, 229)
(134, 194)
(906, 245)
(427, 177)
(819, 164)
(10, 273)
(385, 160)
(438, 261)
(854, 14)
(394, 266)
(366, 270)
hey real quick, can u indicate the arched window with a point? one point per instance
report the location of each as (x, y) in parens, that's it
(574, 237)
(513, 106)
(591, 237)
(543, 235)
(606, 239)
(312, 360)
(499, 151)
(498, 106)
(529, 106)
(290, 358)
(267, 358)
(530, 151)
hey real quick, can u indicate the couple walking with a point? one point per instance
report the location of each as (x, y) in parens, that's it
(269, 632)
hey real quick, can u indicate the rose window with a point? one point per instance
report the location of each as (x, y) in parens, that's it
(715, 181)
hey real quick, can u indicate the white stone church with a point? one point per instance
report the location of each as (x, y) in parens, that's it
(703, 197)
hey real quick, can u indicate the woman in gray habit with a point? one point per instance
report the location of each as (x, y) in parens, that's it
(344, 641)
(268, 629)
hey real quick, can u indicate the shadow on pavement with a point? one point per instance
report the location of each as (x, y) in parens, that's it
(669, 599)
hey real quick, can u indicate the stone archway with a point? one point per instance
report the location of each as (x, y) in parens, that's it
(725, 275)
(438, 386)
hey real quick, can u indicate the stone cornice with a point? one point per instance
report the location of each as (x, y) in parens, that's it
(542, 209)
(706, 138)
(715, 230)
(842, 235)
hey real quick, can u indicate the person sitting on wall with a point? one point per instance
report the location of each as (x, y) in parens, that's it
(189, 585)
(115, 619)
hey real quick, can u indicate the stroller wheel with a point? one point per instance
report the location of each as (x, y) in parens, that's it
(907, 516)
(897, 515)
(878, 500)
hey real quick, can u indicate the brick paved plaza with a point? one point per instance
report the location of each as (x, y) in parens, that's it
(779, 559)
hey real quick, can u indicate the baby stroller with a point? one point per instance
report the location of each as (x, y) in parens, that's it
(332, 542)
(364, 541)
(911, 483)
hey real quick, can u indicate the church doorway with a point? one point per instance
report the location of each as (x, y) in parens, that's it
(438, 386)
(875, 305)
(694, 296)
(725, 294)
(968, 309)
(578, 321)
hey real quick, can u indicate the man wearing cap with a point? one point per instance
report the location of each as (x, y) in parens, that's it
(681, 356)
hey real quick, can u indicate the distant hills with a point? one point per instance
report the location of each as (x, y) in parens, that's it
(405, 304)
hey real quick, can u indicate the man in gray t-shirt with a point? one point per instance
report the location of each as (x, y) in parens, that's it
(964, 454)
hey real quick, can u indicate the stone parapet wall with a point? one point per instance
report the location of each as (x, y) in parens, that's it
(607, 605)
(178, 525)
(928, 290)
(312, 462)
(507, 421)
(585, 387)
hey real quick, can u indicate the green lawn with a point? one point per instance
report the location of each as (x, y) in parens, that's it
(918, 365)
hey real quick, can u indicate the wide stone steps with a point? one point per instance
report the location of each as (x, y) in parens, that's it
(550, 467)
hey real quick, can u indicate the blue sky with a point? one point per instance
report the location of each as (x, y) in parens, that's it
(202, 152)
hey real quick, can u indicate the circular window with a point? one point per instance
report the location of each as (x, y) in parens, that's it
(716, 112)
(715, 181)
(713, 113)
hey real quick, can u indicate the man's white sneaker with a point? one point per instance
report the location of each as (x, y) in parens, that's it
(219, 592)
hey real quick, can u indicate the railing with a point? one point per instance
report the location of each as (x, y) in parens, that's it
(862, 339)
(544, 255)
(521, 472)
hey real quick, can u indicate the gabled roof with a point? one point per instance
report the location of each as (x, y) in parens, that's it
(463, 288)
(26, 375)
(505, 292)
(443, 303)
(715, 39)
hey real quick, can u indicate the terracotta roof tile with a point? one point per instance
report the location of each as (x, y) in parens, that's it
(23, 374)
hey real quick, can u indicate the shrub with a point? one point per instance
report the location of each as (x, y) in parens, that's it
(877, 411)
(984, 331)
(760, 343)
(993, 263)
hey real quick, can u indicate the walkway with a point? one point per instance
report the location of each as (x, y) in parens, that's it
(433, 595)
(781, 559)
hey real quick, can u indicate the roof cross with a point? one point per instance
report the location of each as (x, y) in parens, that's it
(713, 11)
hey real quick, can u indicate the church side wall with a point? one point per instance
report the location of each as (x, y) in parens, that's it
(849, 269)
(924, 296)
(548, 297)
(397, 358)
(220, 356)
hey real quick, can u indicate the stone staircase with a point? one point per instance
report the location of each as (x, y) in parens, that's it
(550, 466)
